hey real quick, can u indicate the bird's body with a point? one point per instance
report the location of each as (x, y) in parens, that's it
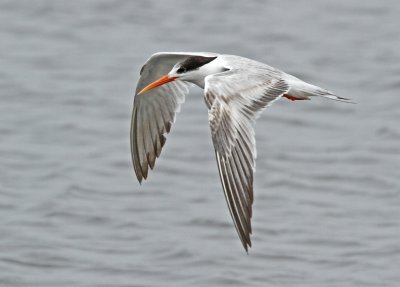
(236, 91)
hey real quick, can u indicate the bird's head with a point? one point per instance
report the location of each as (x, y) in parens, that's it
(193, 69)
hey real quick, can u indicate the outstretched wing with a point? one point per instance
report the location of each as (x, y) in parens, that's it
(154, 111)
(235, 99)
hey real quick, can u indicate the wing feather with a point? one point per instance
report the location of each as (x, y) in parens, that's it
(235, 99)
(154, 112)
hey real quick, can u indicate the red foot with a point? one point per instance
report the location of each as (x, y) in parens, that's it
(289, 97)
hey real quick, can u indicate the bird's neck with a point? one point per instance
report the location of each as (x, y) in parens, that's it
(208, 69)
(198, 82)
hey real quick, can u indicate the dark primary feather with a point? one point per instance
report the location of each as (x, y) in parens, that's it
(234, 103)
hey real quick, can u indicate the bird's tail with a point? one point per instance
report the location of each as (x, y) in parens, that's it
(302, 90)
(329, 95)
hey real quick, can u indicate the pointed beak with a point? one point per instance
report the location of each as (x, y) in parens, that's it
(161, 81)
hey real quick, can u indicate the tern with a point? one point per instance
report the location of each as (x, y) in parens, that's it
(236, 91)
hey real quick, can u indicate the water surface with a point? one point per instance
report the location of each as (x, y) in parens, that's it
(327, 187)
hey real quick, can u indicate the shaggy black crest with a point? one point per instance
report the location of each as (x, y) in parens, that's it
(194, 62)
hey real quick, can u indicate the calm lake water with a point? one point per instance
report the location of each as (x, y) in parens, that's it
(327, 187)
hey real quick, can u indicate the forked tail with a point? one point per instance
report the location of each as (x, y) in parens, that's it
(300, 90)
(329, 95)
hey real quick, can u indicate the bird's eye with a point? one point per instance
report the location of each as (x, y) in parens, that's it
(181, 70)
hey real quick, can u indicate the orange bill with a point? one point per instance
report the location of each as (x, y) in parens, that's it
(161, 81)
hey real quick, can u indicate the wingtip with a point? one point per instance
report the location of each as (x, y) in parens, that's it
(246, 246)
(139, 177)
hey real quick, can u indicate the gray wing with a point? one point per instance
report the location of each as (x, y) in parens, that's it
(235, 99)
(154, 111)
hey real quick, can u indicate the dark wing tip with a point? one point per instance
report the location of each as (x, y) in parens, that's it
(138, 174)
(247, 244)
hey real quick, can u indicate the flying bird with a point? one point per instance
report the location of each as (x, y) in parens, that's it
(236, 91)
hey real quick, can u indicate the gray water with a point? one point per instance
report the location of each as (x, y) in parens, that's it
(327, 186)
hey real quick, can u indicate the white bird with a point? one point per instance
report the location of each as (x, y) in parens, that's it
(236, 91)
